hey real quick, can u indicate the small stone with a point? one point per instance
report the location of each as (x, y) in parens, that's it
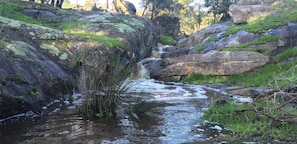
(71, 107)
(64, 132)
(66, 102)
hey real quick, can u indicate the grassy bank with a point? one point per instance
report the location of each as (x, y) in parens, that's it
(271, 116)
(276, 74)
(264, 119)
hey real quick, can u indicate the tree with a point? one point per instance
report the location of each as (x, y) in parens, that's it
(90, 5)
(191, 16)
(217, 7)
(156, 7)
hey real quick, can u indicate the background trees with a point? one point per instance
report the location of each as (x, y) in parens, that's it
(153, 8)
(193, 14)
(219, 8)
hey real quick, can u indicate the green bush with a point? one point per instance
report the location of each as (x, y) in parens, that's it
(166, 40)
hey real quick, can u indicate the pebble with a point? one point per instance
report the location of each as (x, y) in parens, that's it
(65, 132)
(56, 101)
(46, 135)
(217, 128)
(56, 110)
(66, 102)
(71, 107)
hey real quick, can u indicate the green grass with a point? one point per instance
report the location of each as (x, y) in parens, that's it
(268, 22)
(166, 40)
(210, 39)
(199, 47)
(261, 40)
(110, 42)
(12, 11)
(286, 54)
(250, 123)
(75, 28)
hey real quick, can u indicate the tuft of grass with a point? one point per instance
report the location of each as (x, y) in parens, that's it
(166, 40)
(261, 40)
(74, 28)
(110, 42)
(102, 92)
(199, 47)
(286, 54)
(268, 22)
(210, 39)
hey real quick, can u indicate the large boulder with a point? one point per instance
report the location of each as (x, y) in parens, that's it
(288, 33)
(211, 63)
(39, 64)
(123, 7)
(167, 25)
(245, 11)
(215, 30)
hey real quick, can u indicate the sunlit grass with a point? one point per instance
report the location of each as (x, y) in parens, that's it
(75, 28)
(261, 40)
(245, 122)
(166, 40)
(292, 52)
(12, 11)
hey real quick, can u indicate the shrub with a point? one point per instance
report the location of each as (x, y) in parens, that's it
(166, 40)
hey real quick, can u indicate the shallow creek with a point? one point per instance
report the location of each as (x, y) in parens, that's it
(175, 118)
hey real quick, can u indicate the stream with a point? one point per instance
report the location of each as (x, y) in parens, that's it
(175, 117)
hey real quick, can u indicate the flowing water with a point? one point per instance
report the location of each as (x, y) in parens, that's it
(174, 118)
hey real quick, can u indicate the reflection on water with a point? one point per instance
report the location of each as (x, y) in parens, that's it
(175, 117)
